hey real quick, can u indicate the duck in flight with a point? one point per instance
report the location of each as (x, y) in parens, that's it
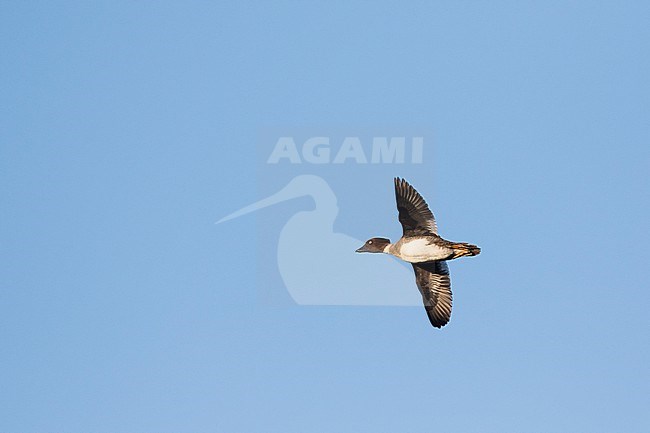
(427, 252)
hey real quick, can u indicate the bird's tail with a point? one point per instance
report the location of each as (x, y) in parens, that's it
(462, 249)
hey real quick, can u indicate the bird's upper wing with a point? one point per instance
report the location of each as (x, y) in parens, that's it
(414, 214)
(433, 281)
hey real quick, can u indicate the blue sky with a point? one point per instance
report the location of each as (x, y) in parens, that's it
(128, 129)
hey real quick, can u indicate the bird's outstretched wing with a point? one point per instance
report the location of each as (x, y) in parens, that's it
(414, 214)
(433, 281)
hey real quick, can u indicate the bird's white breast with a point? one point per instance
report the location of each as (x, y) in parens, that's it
(420, 250)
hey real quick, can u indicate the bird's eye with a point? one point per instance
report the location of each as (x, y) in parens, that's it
(369, 242)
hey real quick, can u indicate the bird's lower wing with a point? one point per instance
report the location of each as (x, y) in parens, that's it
(434, 284)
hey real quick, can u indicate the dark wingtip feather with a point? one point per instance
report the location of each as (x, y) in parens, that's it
(437, 322)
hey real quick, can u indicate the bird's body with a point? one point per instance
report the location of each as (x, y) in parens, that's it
(422, 249)
(421, 246)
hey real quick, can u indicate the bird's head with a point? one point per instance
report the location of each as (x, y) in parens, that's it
(374, 245)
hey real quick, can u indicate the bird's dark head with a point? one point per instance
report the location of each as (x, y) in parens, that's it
(374, 245)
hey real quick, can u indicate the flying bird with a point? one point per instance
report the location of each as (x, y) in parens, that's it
(427, 252)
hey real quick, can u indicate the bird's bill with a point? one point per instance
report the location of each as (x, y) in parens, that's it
(362, 249)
